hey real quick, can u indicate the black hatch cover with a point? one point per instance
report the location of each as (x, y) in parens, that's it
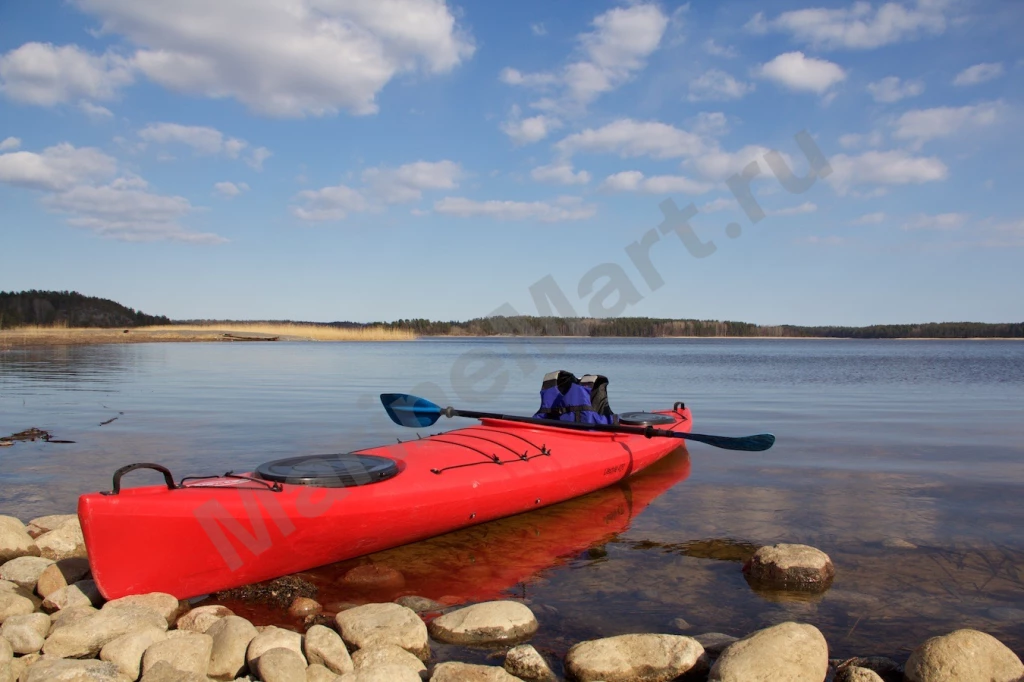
(342, 470)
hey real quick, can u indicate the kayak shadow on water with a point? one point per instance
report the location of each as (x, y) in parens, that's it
(493, 560)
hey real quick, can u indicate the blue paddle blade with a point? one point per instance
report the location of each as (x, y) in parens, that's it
(408, 410)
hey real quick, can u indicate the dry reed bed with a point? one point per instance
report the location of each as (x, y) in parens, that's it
(63, 335)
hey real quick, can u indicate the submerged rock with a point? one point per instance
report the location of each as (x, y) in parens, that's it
(790, 567)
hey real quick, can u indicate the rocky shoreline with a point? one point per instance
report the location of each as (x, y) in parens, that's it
(54, 625)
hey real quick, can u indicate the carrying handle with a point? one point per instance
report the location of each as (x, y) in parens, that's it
(168, 478)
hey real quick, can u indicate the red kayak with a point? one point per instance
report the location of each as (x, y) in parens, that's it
(205, 534)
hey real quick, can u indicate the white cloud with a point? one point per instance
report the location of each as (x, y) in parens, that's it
(529, 130)
(892, 89)
(719, 204)
(123, 209)
(127, 211)
(869, 219)
(921, 125)
(567, 208)
(329, 203)
(95, 111)
(10, 143)
(896, 167)
(634, 181)
(718, 164)
(538, 29)
(797, 72)
(716, 50)
(618, 46)
(816, 240)
(406, 183)
(230, 189)
(629, 138)
(857, 140)
(57, 168)
(858, 27)
(717, 85)
(979, 73)
(258, 156)
(941, 221)
(45, 75)
(305, 57)
(710, 123)
(560, 173)
(541, 79)
(202, 139)
(806, 207)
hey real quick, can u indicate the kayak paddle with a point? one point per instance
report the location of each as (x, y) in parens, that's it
(409, 410)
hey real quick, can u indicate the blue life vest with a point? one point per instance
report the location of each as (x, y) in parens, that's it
(568, 399)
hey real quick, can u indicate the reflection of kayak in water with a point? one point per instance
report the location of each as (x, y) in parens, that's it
(484, 562)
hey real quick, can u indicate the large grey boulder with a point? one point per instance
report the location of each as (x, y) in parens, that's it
(453, 671)
(126, 651)
(324, 646)
(648, 657)
(486, 623)
(963, 656)
(188, 652)
(24, 571)
(85, 637)
(231, 638)
(526, 663)
(376, 624)
(14, 540)
(795, 652)
(790, 567)
(62, 670)
(26, 633)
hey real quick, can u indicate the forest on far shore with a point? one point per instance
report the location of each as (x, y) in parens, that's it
(71, 309)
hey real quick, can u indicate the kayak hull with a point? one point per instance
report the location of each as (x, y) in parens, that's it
(212, 534)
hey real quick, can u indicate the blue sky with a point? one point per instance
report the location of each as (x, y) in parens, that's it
(381, 159)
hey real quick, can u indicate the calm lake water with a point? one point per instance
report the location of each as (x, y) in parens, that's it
(917, 441)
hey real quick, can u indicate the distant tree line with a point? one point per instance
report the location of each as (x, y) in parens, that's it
(653, 327)
(68, 308)
(76, 310)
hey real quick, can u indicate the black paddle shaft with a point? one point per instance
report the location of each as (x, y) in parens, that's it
(748, 443)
